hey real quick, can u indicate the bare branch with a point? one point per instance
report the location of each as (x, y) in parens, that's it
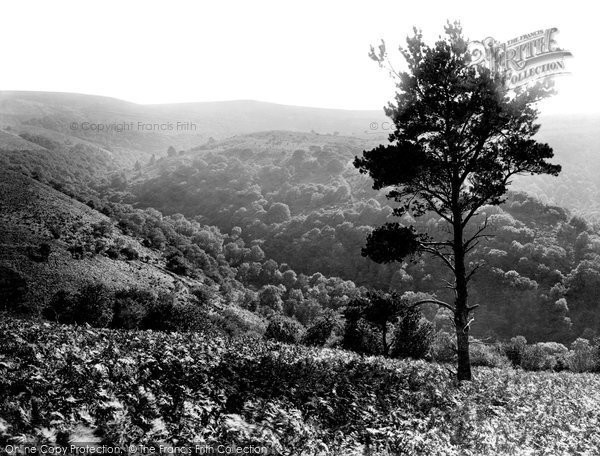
(449, 285)
(473, 271)
(439, 254)
(472, 308)
(468, 324)
(432, 301)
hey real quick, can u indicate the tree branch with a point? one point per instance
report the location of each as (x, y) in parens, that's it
(468, 324)
(432, 301)
(439, 255)
(472, 308)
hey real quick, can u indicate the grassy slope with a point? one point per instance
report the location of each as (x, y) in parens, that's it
(14, 143)
(123, 387)
(28, 209)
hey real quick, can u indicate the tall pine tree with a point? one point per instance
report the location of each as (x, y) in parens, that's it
(459, 138)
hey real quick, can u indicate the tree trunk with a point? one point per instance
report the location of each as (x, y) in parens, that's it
(462, 344)
(461, 312)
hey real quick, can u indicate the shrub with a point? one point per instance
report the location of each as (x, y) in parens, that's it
(113, 252)
(582, 357)
(514, 349)
(236, 322)
(130, 307)
(443, 347)
(543, 356)
(77, 251)
(177, 263)
(202, 294)
(102, 229)
(284, 329)
(361, 337)
(306, 311)
(487, 355)
(61, 307)
(44, 251)
(534, 358)
(538, 357)
(322, 329)
(100, 246)
(555, 355)
(270, 298)
(94, 305)
(412, 336)
(160, 315)
(130, 253)
(13, 288)
(189, 316)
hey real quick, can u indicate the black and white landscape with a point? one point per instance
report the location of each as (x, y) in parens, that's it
(265, 277)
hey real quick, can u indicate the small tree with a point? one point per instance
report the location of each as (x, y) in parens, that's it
(413, 335)
(381, 310)
(284, 329)
(376, 309)
(459, 138)
(322, 329)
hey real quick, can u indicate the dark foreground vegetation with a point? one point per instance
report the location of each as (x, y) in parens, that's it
(61, 384)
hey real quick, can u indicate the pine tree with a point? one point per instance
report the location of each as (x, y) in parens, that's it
(459, 138)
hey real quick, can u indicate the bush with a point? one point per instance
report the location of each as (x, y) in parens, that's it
(514, 349)
(130, 308)
(44, 251)
(322, 329)
(487, 355)
(189, 316)
(77, 251)
(582, 357)
(13, 288)
(130, 253)
(61, 307)
(236, 322)
(113, 252)
(412, 336)
(541, 356)
(160, 315)
(534, 358)
(202, 294)
(556, 355)
(443, 347)
(92, 305)
(177, 263)
(284, 329)
(361, 337)
(103, 228)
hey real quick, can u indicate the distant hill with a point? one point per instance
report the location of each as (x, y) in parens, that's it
(152, 128)
(38, 116)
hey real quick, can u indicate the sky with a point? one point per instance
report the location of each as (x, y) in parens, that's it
(306, 53)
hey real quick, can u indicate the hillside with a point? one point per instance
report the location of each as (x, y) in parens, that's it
(299, 194)
(32, 214)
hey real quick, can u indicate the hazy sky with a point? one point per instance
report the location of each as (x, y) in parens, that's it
(311, 53)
